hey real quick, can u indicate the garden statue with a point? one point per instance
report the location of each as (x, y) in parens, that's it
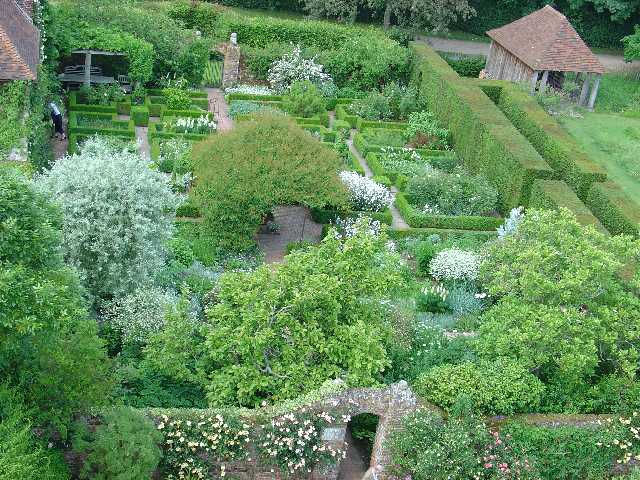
(234, 38)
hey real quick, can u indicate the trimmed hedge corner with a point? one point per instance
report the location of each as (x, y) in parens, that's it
(553, 194)
(487, 141)
(140, 116)
(550, 140)
(417, 219)
(617, 212)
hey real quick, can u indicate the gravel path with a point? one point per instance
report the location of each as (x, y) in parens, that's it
(397, 222)
(218, 106)
(611, 62)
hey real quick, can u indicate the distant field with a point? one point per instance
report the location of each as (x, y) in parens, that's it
(614, 142)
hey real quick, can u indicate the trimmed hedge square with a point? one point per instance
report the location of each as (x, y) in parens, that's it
(617, 212)
(140, 116)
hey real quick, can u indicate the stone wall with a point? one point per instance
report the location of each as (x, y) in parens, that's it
(231, 69)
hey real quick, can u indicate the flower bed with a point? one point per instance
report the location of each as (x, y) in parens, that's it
(101, 123)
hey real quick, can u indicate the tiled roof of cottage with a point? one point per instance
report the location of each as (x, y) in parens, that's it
(545, 40)
(19, 41)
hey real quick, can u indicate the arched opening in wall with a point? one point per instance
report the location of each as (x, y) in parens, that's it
(360, 436)
(213, 72)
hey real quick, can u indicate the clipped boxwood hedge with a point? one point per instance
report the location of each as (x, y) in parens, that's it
(140, 116)
(362, 124)
(342, 114)
(166, 113)
(230, 97)
(155, 131)
(328, 215)
(551, 141)
(617, 212)
(422, 220)
(487, 141)
(119, 128)
(74, 106)
(553, 194)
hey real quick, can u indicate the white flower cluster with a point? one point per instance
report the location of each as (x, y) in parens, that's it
(215, 436)
(454, 264)
(201, 125)
(138, 315)
(249, 90)
(405, 161)
(366, 194)
(350, 227)
(292, 67)
(294, 443)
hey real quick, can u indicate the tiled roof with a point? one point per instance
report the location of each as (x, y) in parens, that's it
(545, 40)
(19, 42)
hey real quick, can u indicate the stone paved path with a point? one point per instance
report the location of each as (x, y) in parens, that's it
(611, 62)
(397, 222)
(295, 224)
(355, 466)
(144, 148)
(218, 106)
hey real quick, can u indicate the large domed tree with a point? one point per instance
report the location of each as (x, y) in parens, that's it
(265, 162)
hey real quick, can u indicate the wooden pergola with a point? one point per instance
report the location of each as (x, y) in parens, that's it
(86, 74)
(540, 48)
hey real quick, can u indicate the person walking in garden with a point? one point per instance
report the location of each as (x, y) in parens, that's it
(56, 116)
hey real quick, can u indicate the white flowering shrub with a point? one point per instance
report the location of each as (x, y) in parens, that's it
(511, 223)
(139, 314)
(220, 437)
(292, 67)
(405, 161)
(293, 442)
(118, 216)
(201, 125)
(250, 90)
(366, 194)
(456, 265)
(351, 227)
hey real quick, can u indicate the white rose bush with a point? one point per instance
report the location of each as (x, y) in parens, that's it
(455, 265)
(366, 194)
(292, 68)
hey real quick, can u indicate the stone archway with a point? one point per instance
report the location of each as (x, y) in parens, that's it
(390, 404)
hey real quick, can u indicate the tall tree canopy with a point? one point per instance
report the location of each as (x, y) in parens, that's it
(269, 161)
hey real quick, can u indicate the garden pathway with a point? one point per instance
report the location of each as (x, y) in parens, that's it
(295, 224)
(218, 106)
(144, 148)
(467, 47)
(397, 222)
(354, 466)
(60, 147)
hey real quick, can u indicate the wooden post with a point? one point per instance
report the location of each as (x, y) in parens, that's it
(87, 69)
(585, 89)
(545, 77)
(534, 81)
(594, 92)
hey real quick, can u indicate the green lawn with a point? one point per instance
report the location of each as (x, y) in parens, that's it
(614, 142)
(618, 92)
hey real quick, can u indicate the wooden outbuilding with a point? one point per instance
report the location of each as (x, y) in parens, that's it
(540, 48)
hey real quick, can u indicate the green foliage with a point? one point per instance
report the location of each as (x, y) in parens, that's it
(455, 193)
(427, 439)
(424, 253)
(12, 108)
(550, 140)
(424, 131)
(466, 65)
(562, 452)
(480, 133)
(269, 150)
(130, 208)
(555, 194)
(259, 59)
(50, 350)
(21, 456)
(140, 116)
(503, 387)
(124, 446)
(303, 100)
(177, 97)
(195, 15)
(617, 212)
(563, 310)
(318, 299)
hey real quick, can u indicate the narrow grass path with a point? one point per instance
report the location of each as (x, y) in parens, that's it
(397, 222)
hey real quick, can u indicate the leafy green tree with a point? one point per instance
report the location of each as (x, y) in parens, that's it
(270, 161)
(49, 348)
(563, 309)
(303, 99)
(123, 447)
(118, 216)
(277, 333)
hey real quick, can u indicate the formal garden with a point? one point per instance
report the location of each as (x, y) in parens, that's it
(474, 257)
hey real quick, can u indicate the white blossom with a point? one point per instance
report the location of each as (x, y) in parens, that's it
(292, 67)
(454, 264)
(249, 90)
(366, 194)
